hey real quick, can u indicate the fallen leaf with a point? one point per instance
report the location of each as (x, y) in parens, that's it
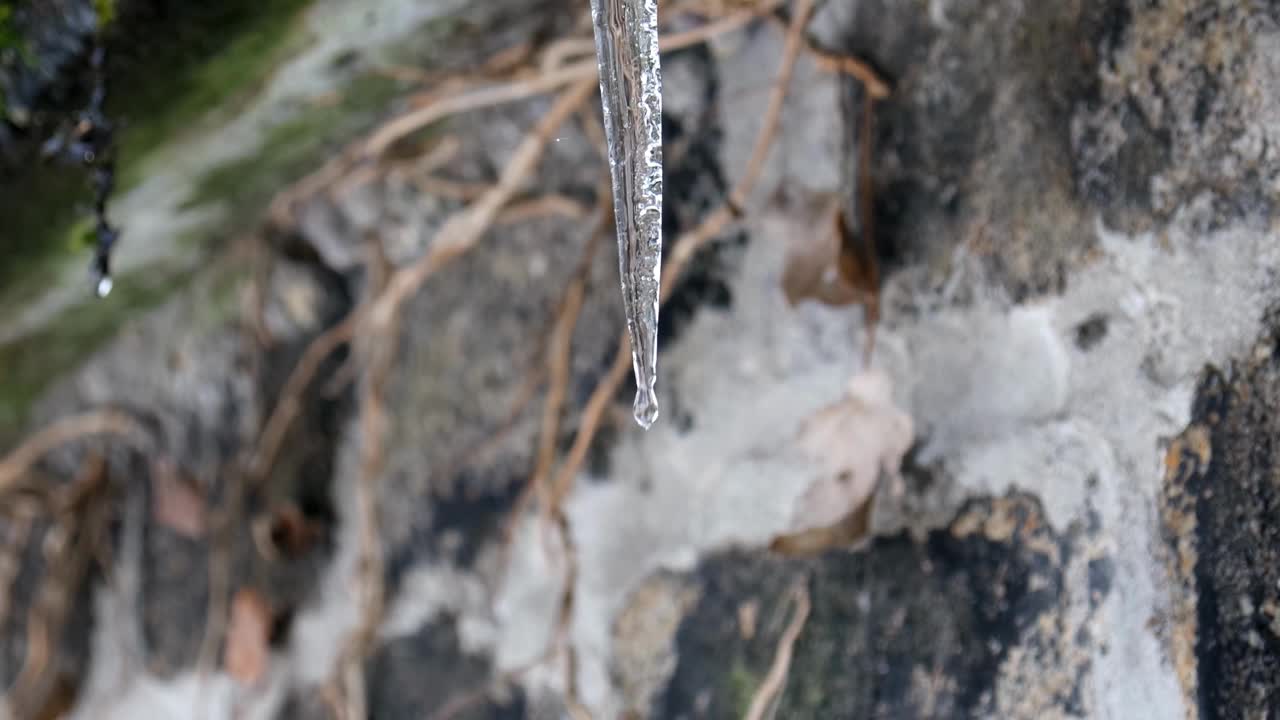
(853, 442)
(849, 530)
(248, 634)
(177, 505)
(811, 270)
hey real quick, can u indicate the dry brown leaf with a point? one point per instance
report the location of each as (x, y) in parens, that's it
(856, 261)
(831, 266)
(853, 441)
(837, 266)
(177, 505)
(248, 634)
(849, 530)
(812, 269)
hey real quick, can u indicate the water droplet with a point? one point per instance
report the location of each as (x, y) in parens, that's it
(103, 288)
(646, 407)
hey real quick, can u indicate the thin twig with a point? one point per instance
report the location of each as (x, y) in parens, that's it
(450, 189)
(589, 423)
(417, 119)
(542, 206)
(565, 616)
(776, 678)
(92, 423)
(344, 164)
(289, 403)
(460, 232)
(379, 351)
(866, 212)
(80, 519)
(877, 87)
(559, 52)
(464, 229)
(559, 364)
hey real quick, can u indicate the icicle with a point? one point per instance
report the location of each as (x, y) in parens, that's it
(631, 92)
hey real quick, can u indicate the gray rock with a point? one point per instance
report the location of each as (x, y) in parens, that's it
(1074, 213)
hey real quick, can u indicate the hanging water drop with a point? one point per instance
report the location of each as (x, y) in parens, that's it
(103, 287)
(626, 33)
(101, 266)
(646, 407)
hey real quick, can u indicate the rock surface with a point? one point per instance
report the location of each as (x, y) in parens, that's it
(1075, 217)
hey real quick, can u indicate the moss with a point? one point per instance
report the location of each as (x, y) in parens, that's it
(37, 270)
(217, 301)
(48, 235)
(741, 687)
(37, 217)
(106, 11)
(9, 39)
(30, 363)
(237, 45)
(163, 84)
(245, 185)
(79, 236)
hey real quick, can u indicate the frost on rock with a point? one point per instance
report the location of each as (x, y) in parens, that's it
(631, 95)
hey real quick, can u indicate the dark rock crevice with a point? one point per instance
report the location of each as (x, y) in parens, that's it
(954, 127)
(903, 629)
(1221, 498)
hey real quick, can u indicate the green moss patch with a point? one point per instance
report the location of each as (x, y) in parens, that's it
(30, 363)
(245, 185)
(221, 57)
(167, 77)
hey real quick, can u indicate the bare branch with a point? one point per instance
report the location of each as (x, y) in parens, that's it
(776, 678)
(465, 228)
(76, 427)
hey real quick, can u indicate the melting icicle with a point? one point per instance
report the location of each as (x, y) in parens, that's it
(631, 92)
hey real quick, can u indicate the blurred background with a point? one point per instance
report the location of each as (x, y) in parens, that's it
(315, 400)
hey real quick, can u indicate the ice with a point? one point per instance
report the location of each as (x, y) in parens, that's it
(626, 34)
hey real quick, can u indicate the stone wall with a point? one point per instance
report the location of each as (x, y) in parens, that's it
(1065, 424)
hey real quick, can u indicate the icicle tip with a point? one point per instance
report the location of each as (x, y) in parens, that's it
(646, 407)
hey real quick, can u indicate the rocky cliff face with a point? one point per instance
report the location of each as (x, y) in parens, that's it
(1064, 425)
